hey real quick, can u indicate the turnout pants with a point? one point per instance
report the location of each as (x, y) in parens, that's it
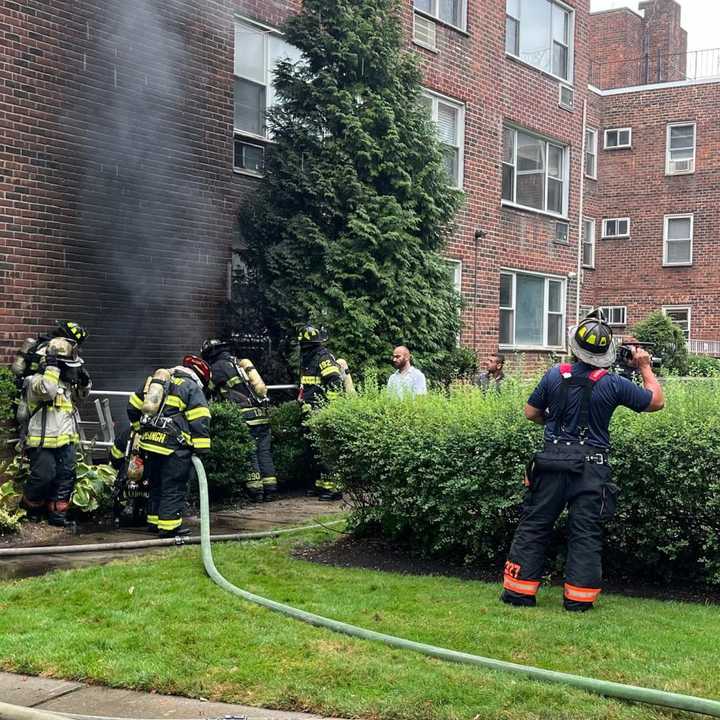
(168, 476)
(576, 477)
(52, 478)
(263, 466)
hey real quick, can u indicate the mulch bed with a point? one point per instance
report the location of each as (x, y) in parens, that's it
(379, 554)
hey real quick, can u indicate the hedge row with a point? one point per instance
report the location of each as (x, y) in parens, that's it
(445, 475)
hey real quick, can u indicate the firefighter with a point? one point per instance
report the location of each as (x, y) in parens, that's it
(321, 380)
(49, 429)
(131, 490)
(27, 360)
(575, 403)
(171, 416)
(239, 382)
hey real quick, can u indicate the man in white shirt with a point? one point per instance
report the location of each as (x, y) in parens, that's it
(406, 381)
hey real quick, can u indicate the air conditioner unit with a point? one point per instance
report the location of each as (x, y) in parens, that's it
(682, 166)
(424, 32)
(567, 97)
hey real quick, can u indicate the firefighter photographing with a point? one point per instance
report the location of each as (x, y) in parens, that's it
(575, 403)
(238, 381)
(48, 421)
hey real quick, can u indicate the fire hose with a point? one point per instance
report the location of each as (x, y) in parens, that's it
(599, 687)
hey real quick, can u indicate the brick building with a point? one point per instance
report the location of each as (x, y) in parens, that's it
(131, 130)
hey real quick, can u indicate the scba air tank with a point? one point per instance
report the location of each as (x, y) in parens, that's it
(156, 388)
(253, 376)
(19, 364)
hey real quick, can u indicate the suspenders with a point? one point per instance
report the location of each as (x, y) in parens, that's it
(587, 384)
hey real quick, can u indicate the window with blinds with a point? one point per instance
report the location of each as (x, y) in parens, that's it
(449, 118)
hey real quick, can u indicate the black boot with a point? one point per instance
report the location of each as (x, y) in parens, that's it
(518, 600)
(330, 495)
(59, 519)
(177, 532)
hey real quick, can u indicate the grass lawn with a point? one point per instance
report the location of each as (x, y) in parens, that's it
(161, 624)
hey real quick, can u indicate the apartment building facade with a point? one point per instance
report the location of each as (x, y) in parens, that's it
(583, 186)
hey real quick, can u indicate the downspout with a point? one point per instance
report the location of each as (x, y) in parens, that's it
(581, 210)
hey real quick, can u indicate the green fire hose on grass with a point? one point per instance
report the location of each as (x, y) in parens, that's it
(599, 687)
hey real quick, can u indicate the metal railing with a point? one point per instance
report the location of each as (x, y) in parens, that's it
(704, 347)
(657, 68)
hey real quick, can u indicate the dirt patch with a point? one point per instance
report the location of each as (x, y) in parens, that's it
(379, 554)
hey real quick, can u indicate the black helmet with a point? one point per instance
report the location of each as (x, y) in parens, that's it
(64, 351)
(213, 347)
(70, 330)
(310, 335)
(592, 341)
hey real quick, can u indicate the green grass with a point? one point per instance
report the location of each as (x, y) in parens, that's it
(161, 624)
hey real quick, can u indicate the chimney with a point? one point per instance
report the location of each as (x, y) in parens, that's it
(664, 42)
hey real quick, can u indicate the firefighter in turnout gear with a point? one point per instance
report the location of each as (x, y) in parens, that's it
(575, 403)
(171, 416)
(49, 428)
(239, 382)
(321, 381)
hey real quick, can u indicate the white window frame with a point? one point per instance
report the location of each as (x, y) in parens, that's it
(435, 14)
(668, 161)
(628, 130)
(606, 236)
(591, 149)
(457, 268)
(436, 99)
(666, 308)
(563, 313)
(666, 225)
(591, 222)
(609, 310)
(566, 173)
(569, 80)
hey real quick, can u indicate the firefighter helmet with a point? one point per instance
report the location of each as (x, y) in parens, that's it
(199, 367)
(64, 351)
(591, 341)
(313, 335)
(70, 330)
(212, 347)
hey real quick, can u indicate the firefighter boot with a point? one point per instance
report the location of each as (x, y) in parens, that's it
(34, 509)
(175, 532)
(269, 488)
(254, 488)
(57, 514)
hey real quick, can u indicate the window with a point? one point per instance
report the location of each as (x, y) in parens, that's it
(678, 237)
(257, 51)
(449, 117)
(616, 228)
(540, 33)
(424, 32)
(618, 138)
(452, 12)
(532, 310)
(455, 271)
(680, 149)
(588, 243)
(591, 154)
(562, 233)
(535, 172)
(680, 315)
(614, 314)
(249, 156)
(585, 310)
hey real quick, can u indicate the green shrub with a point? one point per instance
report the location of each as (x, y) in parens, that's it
(8, 399)
(228, 463)
(445, 474)
(288, 446)
(703, 366)
(668, 339)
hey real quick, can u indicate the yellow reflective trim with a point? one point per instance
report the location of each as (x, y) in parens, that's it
(169, 524)
(201, 443)
(329, 371)
(116, 452)
(159, 449)
(186, 437)
(310, 380)
(257, 421)
(135, 425)
(176, 402)
(152, 519)
(51, 442)
(197, 413)
(233, 381)
(135, 401)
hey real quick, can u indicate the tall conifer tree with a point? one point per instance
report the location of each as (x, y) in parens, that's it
(355, 205)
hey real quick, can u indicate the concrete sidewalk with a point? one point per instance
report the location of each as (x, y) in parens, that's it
(64, 696)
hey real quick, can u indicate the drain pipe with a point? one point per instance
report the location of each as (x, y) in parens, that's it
(581, 213)
(600, 687)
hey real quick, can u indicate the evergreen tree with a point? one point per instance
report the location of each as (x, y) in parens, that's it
(355, 205)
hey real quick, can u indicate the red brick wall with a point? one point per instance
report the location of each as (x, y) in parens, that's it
(632, 183)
